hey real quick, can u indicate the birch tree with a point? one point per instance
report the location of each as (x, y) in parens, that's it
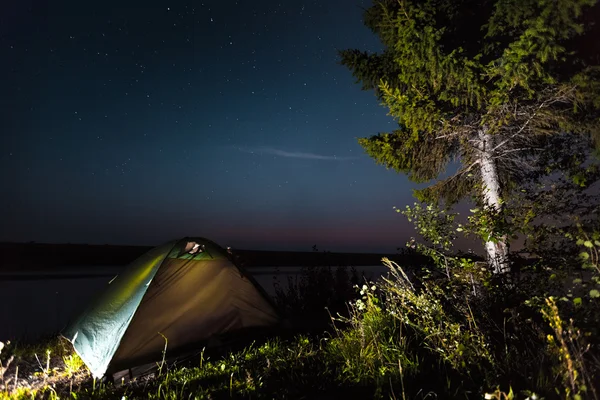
(479, 83)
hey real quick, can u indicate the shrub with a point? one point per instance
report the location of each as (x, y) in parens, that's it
(437, 335)
(315, 290)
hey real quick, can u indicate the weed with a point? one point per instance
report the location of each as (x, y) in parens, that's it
(570, 348)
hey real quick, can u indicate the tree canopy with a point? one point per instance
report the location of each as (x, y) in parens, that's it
(483, 83)
(519, 68)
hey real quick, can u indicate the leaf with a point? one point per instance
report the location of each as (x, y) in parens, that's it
(577, 301)
(594, 293)
(588, 244)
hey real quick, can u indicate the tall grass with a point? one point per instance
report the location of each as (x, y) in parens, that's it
(436, 335)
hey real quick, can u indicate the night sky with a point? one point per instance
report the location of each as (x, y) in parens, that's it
(137, 122)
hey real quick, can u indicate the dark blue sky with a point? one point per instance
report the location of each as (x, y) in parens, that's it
(136, 122)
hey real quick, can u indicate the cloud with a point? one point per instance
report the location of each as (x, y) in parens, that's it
(292, 154)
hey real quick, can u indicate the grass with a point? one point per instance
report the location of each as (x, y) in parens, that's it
(401, 338)
(29, 369)
(277, 368)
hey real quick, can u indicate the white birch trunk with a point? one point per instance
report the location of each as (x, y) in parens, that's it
(497, 253)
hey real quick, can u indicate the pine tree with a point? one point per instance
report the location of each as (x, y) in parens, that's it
(482, 83)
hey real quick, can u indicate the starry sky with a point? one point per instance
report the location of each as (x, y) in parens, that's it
(137, 122)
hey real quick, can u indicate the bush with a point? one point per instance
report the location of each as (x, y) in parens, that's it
(317, 291)
(439, 335)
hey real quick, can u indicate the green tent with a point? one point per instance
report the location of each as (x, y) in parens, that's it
(186, 291)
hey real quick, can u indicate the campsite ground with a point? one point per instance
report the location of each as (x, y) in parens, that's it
(298, 368)
(287, 363)
(294, 363)
(427, 337)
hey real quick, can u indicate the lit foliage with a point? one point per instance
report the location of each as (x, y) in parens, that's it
(568, 345)
(521, 69)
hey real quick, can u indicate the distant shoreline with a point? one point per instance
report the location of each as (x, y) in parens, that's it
(46, 257)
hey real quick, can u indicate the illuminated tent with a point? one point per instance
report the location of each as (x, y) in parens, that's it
(188, 290)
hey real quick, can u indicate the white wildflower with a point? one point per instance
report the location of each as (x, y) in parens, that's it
(360, 305)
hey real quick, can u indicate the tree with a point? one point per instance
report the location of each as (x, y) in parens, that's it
(558, 200)
(483, 83)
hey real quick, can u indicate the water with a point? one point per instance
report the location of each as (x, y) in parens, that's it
(32, 308)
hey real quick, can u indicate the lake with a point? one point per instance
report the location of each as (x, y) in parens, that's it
(33, 306)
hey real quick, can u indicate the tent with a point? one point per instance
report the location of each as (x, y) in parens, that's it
(180, 294)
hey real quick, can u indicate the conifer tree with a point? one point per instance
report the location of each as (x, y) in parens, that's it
(484, 83)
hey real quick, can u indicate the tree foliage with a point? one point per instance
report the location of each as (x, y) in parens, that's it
(559, 200)
(521, 69)
(483, 84)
